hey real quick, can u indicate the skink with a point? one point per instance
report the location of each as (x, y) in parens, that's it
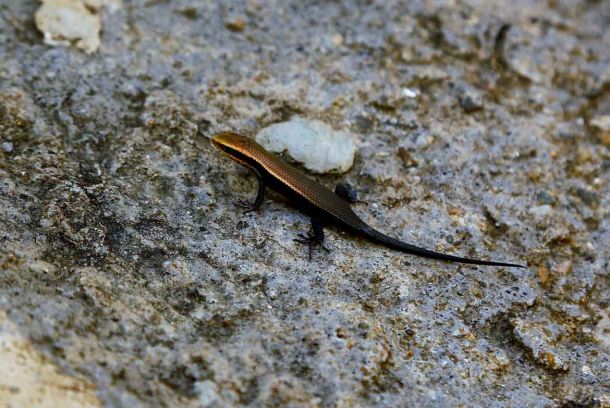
(320, 203)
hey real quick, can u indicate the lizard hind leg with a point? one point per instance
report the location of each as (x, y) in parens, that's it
(348, 193)
(315, 238)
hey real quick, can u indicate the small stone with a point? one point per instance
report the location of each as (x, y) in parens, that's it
(189, 12)
(410, 93)
(7, 147)
(471, 100)
(544, 275)
(237, 24)
(208, 393)
(423, 140)
(67, 22)
(541, 211)
(602, 125)
(430, 73)
(535, 174)
(455, 211)
(337, 40)
(41, 267)
(585, 154)
(501, 359)
(570, 130)
(313, 143)
(540, 339)
(340, 333)
(590, 198)
(564, 268)
(523, 63)
(543, 197)
(405, 156)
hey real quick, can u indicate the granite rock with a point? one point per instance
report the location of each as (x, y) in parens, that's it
(126, 267)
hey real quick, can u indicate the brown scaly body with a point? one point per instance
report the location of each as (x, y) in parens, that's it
(323, 205)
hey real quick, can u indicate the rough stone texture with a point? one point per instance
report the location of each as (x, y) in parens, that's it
(125, 261)
(27, 379)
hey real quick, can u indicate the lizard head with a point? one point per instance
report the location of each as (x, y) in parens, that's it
(236, 146)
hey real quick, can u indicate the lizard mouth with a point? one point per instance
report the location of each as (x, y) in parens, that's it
(228, 150)
(220, 146)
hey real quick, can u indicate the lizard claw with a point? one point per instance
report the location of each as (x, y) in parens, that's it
(311, 241)
(246, 205)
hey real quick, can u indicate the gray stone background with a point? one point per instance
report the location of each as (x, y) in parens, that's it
(125, 262)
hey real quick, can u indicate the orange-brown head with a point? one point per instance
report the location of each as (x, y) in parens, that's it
(237, 147)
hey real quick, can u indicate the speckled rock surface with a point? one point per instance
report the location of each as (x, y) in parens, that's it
(125, 263)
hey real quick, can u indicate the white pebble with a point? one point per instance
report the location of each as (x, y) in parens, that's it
(410, 93)
(541, 210)
(70, 22)
(310, 142)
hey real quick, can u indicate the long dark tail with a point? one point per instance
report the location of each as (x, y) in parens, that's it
(411, 249)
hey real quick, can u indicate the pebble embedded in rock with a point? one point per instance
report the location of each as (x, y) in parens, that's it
(405, 156)
(237, 24)
(410, 93)
(540, 340)
(67, 22)
(7, 147)
(541, 210)
(471, 100)
(590, 198)
(545, 198)
(602, 125)
(310, 142)
(543, 275)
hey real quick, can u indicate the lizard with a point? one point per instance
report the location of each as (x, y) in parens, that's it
(320, 203)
